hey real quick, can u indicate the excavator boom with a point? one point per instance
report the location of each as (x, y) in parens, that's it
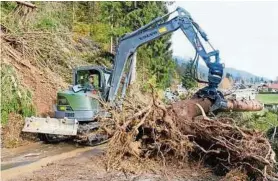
(157, 28)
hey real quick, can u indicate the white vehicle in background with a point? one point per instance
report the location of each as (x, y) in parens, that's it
(170, 96)
(244, 94)
(181, 90)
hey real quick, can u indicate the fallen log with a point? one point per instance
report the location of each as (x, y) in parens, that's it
(188, 109)
(245, 105)
(28, 4)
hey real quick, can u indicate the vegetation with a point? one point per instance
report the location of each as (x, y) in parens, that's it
(154, 58)
(188, 80)
(263, 122)
(267, 98)
(14, 97)
(103, 22)
(61, 35)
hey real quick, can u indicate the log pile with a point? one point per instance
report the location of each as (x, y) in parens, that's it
(171, 134)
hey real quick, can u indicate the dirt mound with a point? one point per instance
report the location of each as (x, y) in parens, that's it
(225, 83)
(41, 60)
(43, 83)
(11, 132)
(44, 86)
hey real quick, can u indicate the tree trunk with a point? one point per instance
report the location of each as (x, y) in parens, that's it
(133, 68)
(188, 109)
(28, 4)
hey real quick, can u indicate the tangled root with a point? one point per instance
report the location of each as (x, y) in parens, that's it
(155, 132)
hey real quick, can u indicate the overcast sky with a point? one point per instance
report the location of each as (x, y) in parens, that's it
(245, 33)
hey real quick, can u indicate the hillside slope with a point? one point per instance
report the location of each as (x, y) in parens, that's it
(43, 42)
(38, 60)
(40, 82)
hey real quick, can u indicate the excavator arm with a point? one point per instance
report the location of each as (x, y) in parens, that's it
(157, 28)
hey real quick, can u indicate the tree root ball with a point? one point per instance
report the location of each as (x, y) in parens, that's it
(171, 134)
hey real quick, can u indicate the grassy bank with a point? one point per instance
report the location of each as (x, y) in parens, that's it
(267, 98)
(14, 97)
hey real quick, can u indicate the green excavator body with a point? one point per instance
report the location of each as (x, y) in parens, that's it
(74, 106)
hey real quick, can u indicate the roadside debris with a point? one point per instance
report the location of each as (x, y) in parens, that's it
(32, 155)
(173, 134)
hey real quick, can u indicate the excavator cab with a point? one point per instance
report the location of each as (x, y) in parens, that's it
(81, 101)
(87, 79)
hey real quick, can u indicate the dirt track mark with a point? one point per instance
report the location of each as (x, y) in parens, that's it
(14, 173)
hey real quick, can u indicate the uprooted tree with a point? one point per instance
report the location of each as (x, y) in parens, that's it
(170, 134)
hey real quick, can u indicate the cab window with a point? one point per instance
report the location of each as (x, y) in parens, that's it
(83, 77)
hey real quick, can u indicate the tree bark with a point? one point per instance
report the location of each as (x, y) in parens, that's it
(188, 109)
(28, 4)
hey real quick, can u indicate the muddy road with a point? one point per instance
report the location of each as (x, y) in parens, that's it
(63, 162)
(24, 155)
(26, 159)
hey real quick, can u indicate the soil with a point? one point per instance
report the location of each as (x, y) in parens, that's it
(44, 86)
(44, 90)
(11, 133)
(43, 83)
(225, 84)
(87, 164)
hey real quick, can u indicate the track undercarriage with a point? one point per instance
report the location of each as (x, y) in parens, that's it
(53, 130)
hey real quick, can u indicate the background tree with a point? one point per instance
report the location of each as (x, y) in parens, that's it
(154, 58)
(188, 80)
(228, 75)
(251, 80)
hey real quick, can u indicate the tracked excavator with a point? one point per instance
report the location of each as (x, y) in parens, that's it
(77, 108)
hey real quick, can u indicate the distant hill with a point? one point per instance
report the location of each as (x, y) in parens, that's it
(234, 72)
